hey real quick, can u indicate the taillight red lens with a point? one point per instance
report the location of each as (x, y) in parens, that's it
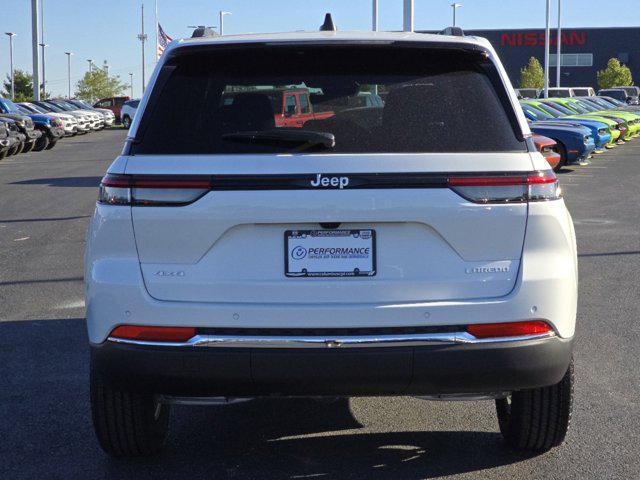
(534, 186)
(510, 329)
(152, 190)
(153, 334)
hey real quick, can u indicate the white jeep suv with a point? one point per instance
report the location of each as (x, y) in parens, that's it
(250, 243)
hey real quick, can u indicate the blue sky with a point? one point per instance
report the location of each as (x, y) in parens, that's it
(107, 29)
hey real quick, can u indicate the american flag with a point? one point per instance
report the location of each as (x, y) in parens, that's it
(163, 40)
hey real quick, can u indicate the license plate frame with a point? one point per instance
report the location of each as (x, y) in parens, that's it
(354, 239)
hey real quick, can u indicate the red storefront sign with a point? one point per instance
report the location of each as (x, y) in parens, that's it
(536, 39)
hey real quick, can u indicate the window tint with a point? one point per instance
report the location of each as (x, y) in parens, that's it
(432, 101)
(290, 105)
(304, 103)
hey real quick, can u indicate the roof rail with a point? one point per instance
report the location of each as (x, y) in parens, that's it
(453, 31)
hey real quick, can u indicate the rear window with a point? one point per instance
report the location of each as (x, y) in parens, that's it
(234, 101)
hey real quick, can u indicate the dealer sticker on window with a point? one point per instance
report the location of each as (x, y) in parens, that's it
(330, 253)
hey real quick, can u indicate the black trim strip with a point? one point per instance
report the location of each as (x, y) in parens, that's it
(303, 181)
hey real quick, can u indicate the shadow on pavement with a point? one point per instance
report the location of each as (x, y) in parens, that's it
(46, 428)
(63, 182)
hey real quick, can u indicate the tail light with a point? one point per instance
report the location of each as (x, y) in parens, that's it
(547, 150)
(180, 190)
(533, 187)
(153, 334)
(152, 190)
(510, 329)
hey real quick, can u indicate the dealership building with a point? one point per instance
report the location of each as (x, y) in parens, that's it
(584, 51)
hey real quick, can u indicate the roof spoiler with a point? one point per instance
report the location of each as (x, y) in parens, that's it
(453, 31)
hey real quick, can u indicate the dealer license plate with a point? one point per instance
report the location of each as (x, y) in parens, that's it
(330, 253)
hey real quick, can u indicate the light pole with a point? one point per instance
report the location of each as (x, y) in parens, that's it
(546, 50)
(68, 54)
(222, 14)
(44, 81)
(559, 46)
(374, 16)
(455, 6)
(131, 84)
(35, 52)
(13, 86)
(407, 16)
(142, 37)
(105, 67)
(43, 46)
(90, 65)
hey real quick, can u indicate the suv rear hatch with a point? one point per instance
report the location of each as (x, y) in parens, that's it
(226, 203)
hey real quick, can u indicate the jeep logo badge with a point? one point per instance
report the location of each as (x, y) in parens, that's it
(335, 182)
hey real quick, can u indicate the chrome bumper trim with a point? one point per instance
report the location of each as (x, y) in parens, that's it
(365, 341)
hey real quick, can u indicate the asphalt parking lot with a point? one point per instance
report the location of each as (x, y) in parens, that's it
(46, 200)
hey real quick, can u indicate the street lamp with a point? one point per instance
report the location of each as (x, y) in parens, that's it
(222, 14)
(13, 87)
(68, 54)
(131, 83)
(455, 6)
(559, 46)
(90, 65)
(374, 16)
(143, 38)
(44, 81)
(407, 16)
(546, 49)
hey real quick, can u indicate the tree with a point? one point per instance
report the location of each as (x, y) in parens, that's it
(615, 75)
(532, 76)
(23, 83)
(97, 84)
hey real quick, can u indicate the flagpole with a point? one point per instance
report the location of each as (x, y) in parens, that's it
(157, 44)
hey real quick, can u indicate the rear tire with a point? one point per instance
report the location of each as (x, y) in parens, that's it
(28, 147)
(41, 143)
(126, 122)
(538, 419)
(127, 424)
(563, 157)
(52, 143)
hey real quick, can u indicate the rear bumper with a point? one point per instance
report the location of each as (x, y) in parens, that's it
(399, 370)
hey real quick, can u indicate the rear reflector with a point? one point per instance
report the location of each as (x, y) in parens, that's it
(153, 334)
(509, 329)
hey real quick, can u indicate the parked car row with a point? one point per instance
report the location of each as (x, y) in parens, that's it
(39, 125)
(628, 94)
(582, 126)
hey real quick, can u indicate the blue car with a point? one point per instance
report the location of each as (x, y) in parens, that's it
(49, 125)
(575, 142)
(599, 131)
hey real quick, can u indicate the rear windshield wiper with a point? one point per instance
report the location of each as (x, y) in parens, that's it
(282, 137)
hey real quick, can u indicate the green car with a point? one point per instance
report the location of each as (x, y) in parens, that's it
(632, 117)
(578, 109)
(556, 110)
